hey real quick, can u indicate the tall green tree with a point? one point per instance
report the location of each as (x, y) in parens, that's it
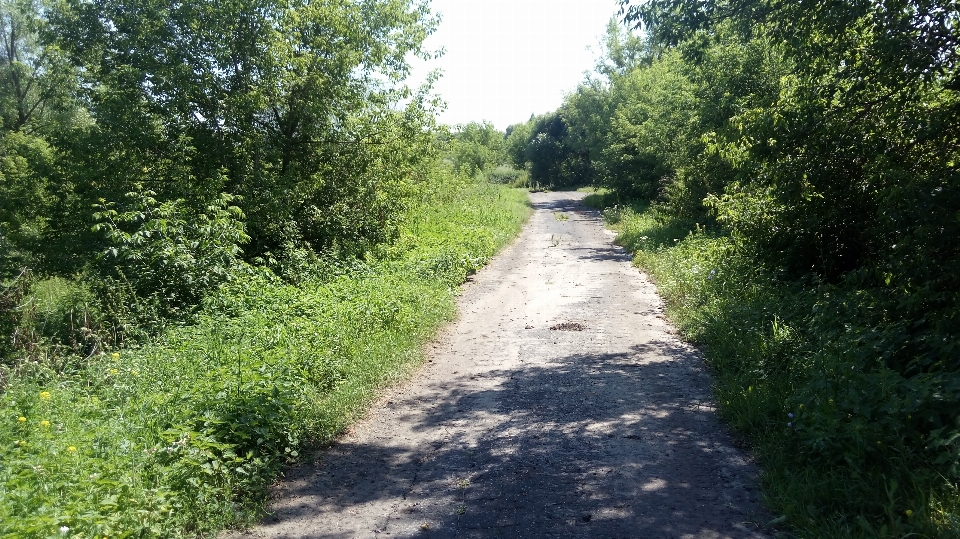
(36, 107)
(294, 107)
(844, 165)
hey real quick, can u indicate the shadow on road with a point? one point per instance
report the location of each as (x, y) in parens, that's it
(592, 445)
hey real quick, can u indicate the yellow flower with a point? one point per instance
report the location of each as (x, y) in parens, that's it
(71, 448)
(114, 371)
(22, 419)
(115, 355)
(45, 395)
(830, 401)
(909, 512)
(44, 423)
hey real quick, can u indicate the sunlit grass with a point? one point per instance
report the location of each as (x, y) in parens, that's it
(181, 436)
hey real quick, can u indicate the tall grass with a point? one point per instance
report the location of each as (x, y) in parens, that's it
(181, 436)
(797, 376)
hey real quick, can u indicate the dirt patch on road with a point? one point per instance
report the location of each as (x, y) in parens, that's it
(527, 424)
(568, 326)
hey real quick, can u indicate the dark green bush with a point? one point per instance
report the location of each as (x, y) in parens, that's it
(504, 174)
(162, 258)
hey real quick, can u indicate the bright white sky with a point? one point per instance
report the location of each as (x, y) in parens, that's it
(507, 59)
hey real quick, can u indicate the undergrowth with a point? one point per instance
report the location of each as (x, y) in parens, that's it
(181, 436)
(800, 373)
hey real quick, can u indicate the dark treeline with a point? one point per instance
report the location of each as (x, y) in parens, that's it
(819, 140)
(147, 147)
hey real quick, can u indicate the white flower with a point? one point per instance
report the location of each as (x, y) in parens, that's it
(64, 529)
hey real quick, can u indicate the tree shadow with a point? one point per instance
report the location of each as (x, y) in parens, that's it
(621, 444)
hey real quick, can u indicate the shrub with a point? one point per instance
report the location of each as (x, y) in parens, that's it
(504, 174)
(162, 258)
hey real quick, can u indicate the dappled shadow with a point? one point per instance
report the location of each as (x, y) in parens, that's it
(593, 445)
(611, 253)
(568, 204)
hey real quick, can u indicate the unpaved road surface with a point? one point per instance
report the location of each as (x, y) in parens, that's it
(514, 429)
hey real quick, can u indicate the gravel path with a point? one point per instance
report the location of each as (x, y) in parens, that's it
(603, 427)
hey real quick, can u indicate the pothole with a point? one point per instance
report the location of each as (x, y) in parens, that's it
(568, 326)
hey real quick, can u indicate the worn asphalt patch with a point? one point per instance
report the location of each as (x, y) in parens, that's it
(516, 430)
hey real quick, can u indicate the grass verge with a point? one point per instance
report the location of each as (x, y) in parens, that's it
(800, 373)
(181, 437)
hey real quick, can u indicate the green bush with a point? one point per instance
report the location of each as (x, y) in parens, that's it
(504, 174)
(163, 258)
(850, 446)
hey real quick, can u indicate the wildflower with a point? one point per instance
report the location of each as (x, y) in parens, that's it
(909, 512)
(790, 415)
(44, 423)
(71, 449)
(830, 401)
(64, 529)
(115, 355)
(790, 424)
(45, 395)
(22, 419)
(801, 406)
(114, 371)
(712, 273)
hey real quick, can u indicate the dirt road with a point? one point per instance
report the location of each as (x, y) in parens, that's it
(602, 427)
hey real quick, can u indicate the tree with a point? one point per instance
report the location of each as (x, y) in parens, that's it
(292, 107)
(553, 161)
(35, 82)
(476, 146)
(36, 107)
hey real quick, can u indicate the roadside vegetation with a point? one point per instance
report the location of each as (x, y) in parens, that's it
(787, 173)
(180, 436)
(214, 251)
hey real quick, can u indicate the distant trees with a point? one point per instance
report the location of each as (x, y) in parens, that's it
(475, 147)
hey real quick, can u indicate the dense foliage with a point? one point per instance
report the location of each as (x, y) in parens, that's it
(479, 148)
(149, 147)
(801, 162)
